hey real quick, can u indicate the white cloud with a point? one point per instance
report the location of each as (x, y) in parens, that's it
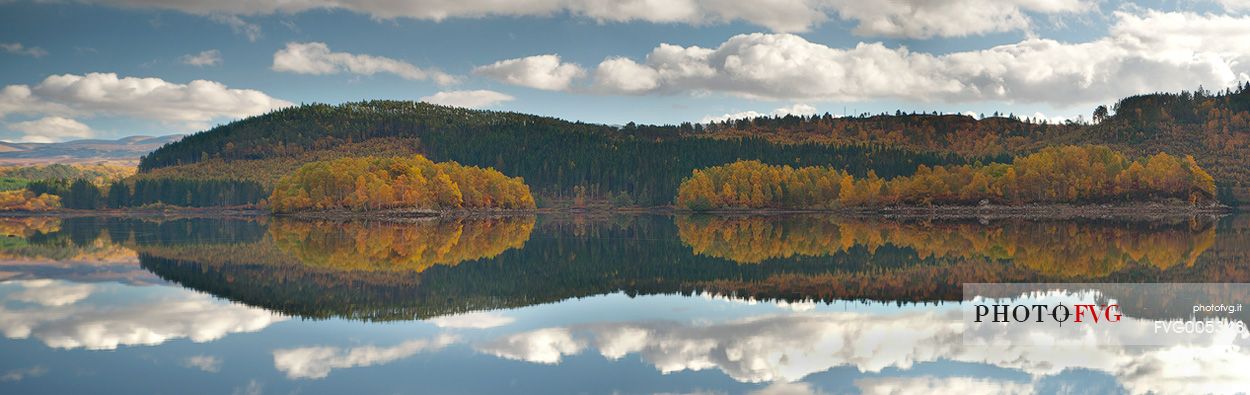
(51, 293)
(909, 18)
(795, 109)
(469, 99)
(238, 25)
(545, 72)
(210, 57)
(316, 58)
(1039, 117)
(949, 18)
(1235, 5)
(786, 348)
(545, 346)
(150, 318)
(19, 49)
(625, 76)
(51, 129)
(732, 115)
(318, 362)
(475, 320)
(22, 374)
(940, 385)
(207, 363)
(1151, 51)
(784, 388)
(186, 106)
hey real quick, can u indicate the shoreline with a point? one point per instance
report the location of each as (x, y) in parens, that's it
(1050, 211)
(987, 212)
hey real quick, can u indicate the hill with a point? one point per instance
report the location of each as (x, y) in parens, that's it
(573, 161)
(126, 149)
(562, 161)
(1213, 127)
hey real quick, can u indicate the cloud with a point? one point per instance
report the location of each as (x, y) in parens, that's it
(210, 57)
(51, 129)
(468, 99)
(207, 363)
(51, 293)
(545, 72)
(784, 388)
(795, 109)
(238, 25)
(1150, 51)
(318, 362)
(789, 347)
(1234, 5)
(545, 346)
(19, 49)
(150, 318)
(940, 385)
(316, 58)
(475, 320)
(253, 387)
(949, 18)
(22, 374)
(188, 106)
(626, 76)
(904, 18)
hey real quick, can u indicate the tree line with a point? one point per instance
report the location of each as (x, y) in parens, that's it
(81, 194)
(1068, 174)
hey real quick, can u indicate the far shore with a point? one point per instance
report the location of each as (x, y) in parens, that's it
(1049, 211)
(1044, 211)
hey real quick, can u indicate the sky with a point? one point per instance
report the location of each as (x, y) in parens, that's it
(77, 69)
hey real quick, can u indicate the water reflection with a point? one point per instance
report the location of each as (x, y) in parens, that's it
(399, 247)
(388, 271)
(789, 347)
(317, 362)
(69, 315)
(566, 303)
(1083, 249)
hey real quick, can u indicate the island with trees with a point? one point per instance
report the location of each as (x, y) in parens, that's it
(414, 182)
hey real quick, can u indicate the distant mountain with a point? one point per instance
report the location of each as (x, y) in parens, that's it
(124, 149)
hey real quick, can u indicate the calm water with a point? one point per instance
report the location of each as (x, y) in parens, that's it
(567, 304)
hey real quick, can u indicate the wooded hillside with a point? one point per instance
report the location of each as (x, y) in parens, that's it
(643, 164)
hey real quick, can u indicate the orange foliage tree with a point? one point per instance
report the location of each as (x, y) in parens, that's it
(371, 183)
(23, 200)
(1068, 174)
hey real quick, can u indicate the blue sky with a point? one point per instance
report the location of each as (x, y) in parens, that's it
(113, 68)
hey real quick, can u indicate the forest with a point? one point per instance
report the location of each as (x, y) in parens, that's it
(1213, 127)
(372, 183)
(560, 160)
(644, 164)
(47, 187)
(1067, 174)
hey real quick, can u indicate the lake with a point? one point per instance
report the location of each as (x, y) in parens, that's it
(562, 303)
